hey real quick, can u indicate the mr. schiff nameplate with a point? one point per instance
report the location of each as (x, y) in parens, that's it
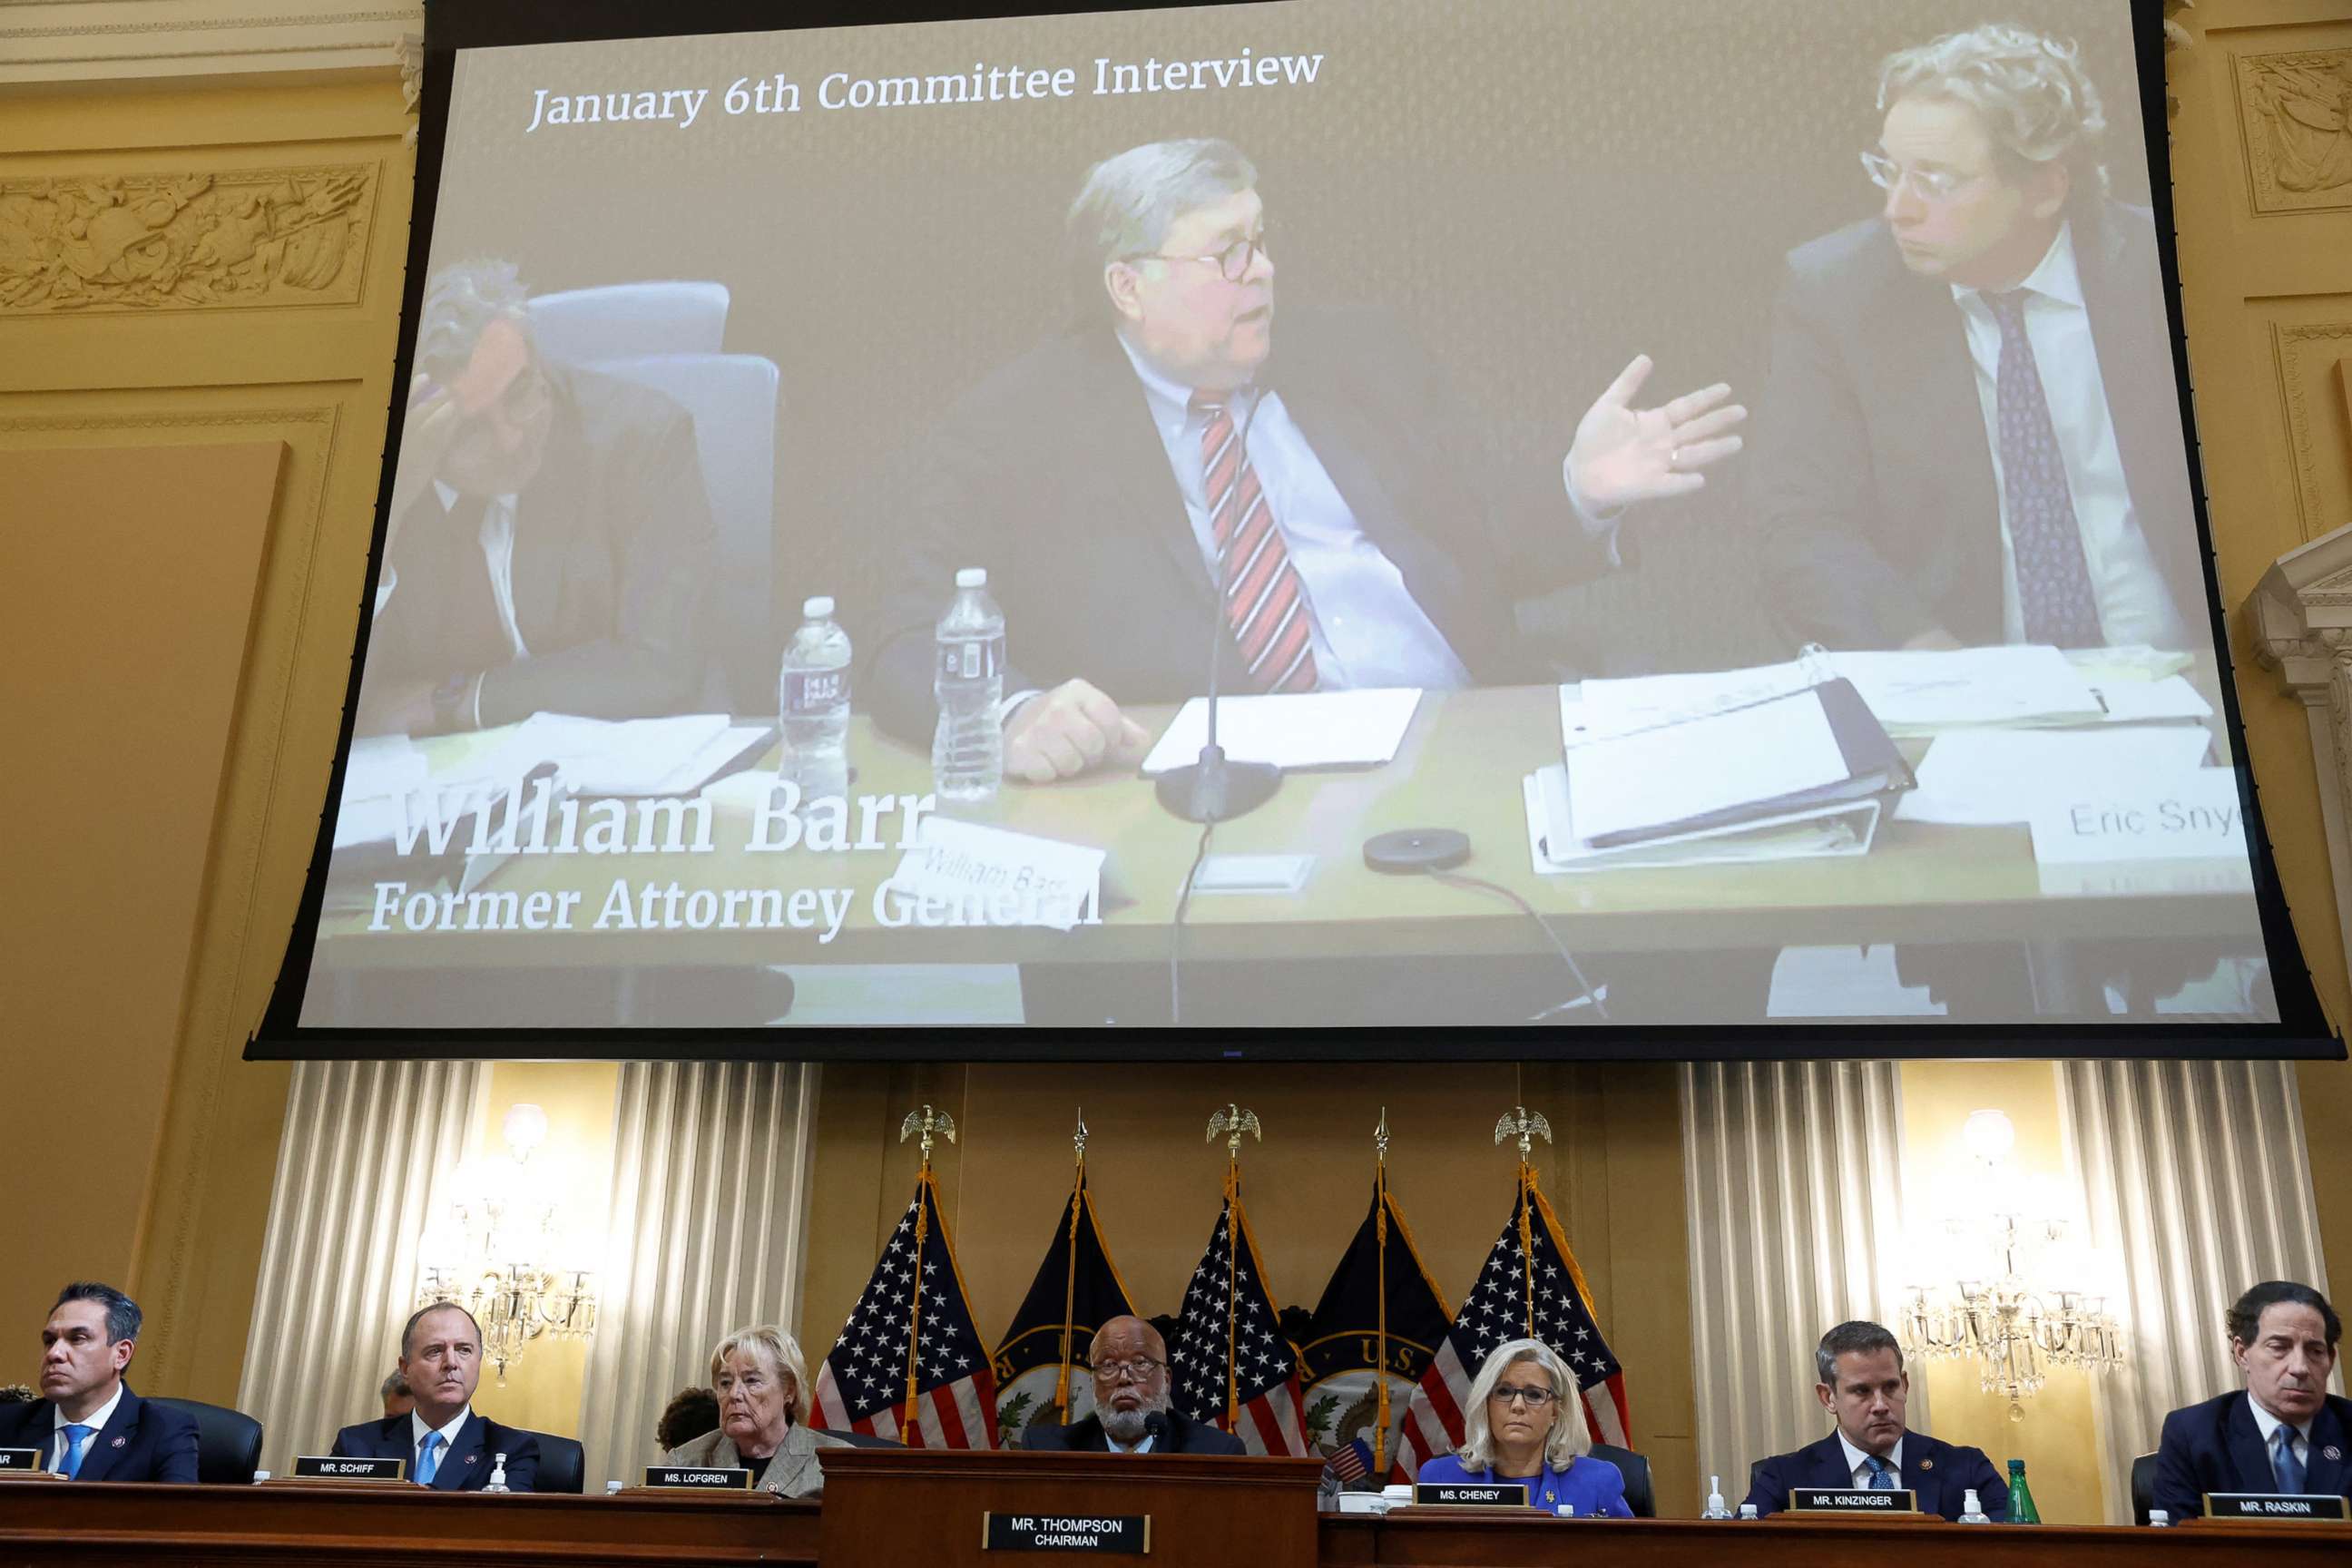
(2290, 1505)
(1471, 1494)
(699, 1477)
(1851, 1500)
(335, 1467)
(1126, 1534)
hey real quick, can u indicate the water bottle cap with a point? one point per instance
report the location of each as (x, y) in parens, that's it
(973, 577)
(818, 608)
(2016, 1466)
(2160, 1516)
(1747, 1510)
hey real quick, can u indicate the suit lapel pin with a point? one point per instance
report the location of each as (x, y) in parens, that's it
(471, 1457)
(2330, 1453)
(120, 1441)
(1926, 1464)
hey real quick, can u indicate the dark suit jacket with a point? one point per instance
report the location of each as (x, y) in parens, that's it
(140, 1442)
(1185, 1436)
(466, 1467)
(1052, 475)
(1874, 479)
(614, 553)
(1938, 1473)
(2216, 1448)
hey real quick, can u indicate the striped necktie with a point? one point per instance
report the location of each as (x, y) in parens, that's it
(2053, 577)
(1265, 604)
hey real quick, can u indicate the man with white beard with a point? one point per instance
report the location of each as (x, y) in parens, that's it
(1132, 1411)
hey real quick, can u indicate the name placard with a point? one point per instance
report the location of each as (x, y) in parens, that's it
(1851, 1500)
(21, 1462)
(699, 1477)
(1471, 1494)
(1126, 1534)
(332, 1467)
(2192, 817)
(2273, 1505)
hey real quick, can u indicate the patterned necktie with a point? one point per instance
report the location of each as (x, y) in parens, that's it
(429, 1458)
(1882, 1474)
(76, 1434)
(1265, 604)
(2054, 579)
(2285, 1466)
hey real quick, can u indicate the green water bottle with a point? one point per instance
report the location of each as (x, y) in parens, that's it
(2020, 1496)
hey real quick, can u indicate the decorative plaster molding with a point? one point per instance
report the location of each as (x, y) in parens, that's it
(64, 40)
(2296, 110)
(181, 241)
(2301, 618)
(2291, 346)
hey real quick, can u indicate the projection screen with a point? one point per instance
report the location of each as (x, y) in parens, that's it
(1686, 506)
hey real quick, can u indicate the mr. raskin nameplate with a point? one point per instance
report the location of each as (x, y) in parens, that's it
(1128, 1534)
(329, 1468)
(699, 1477)
(1850, 1501)
(2273, 1505)
(1473, 1494)
(19, 1461)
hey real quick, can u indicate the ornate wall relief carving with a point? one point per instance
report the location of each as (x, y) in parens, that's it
(2297, 111)
(127, 242)
(2305, 354)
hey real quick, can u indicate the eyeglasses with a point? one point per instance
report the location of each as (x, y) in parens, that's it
(1232, 262)
(1139, 1370)
(1533, 1398)
(1929, 185)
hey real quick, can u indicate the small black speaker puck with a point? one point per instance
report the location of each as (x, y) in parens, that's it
(1412, 849)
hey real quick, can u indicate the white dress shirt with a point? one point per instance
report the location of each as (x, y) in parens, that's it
(1857, 1463)
(1143, 1445)
(2134, 602)
(2270, 1424)
(95, 1421)
(417, 1431)
(498, 555)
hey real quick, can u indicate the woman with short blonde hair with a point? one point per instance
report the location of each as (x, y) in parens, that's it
(1525, 1425)
(758, 1375)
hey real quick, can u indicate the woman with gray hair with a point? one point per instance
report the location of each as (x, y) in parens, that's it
(757, 1374)
(1525, 1424)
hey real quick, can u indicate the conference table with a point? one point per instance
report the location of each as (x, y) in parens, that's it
(1459, 765)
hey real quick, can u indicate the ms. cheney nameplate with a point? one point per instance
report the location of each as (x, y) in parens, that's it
(1472, 1494)
(699, 1477)
(332, 1467)
(1129, 1534)
(2273, 1505)
(1851, 1500)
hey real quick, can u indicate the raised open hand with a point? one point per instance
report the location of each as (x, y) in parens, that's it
(1622, 454)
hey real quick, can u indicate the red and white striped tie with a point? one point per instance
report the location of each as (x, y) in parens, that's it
(1265, 604)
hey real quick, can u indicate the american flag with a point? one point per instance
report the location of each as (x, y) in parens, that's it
(1228, 1297)
(916, 1287)
(1496, 1308)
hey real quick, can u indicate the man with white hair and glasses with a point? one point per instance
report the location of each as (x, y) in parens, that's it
(1970, 434)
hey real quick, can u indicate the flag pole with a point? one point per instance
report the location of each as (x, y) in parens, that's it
(1381, 1244)
(1527, 1128)
(1070, 1283)
(928, 1123)
(1233, 1122)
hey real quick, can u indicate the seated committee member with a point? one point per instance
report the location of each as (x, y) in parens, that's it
(550, 544)
(2284, 1433)
(1099, 477)
(1526, 1422)
(398, 1399)
(86, 1424)
(757, 1375)
(1134, 1412)
(1970, 434)
(1863, 1386)
(449, 1446)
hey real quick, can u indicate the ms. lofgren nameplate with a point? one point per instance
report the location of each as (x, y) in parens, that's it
(1129, 1534)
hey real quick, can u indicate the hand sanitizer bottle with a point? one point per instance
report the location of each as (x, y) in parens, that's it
(1972, 1510)
(498, 1481)
(1714, 1505)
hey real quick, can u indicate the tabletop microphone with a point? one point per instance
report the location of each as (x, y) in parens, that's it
(1216, 788)
(1155, 1427)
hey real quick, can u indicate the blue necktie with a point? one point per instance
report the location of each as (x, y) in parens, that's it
(2054, 578)
(2285, 1466)
(429, 1458)
(75, 1435)
(1882, 1474)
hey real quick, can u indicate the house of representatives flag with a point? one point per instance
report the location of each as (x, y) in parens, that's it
(1229, 1306)
(914, 1305)
(1529, 1288)
(1342, 1354)
(1076, 1290)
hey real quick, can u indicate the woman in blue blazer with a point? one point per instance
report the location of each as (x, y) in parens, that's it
(1526, 1422)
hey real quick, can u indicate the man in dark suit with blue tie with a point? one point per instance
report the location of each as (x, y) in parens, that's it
(447, 1445)
(87, 1425)
(1864, 1385)
(2283, 1432)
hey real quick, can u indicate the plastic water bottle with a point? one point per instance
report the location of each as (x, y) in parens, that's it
(968, 748)
(2158, 1519)
(813, 704)
(1714, 1505)
(2020, 1496)
(1972, 1510)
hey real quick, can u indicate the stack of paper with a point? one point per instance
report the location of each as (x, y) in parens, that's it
(1995, 776)
(1310, 730)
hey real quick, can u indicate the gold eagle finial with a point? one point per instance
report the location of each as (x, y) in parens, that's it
(928, 1122)
(1525, 1126)
(1233, 1122)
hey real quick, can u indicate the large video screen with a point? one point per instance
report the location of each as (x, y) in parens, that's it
(1675, 514)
